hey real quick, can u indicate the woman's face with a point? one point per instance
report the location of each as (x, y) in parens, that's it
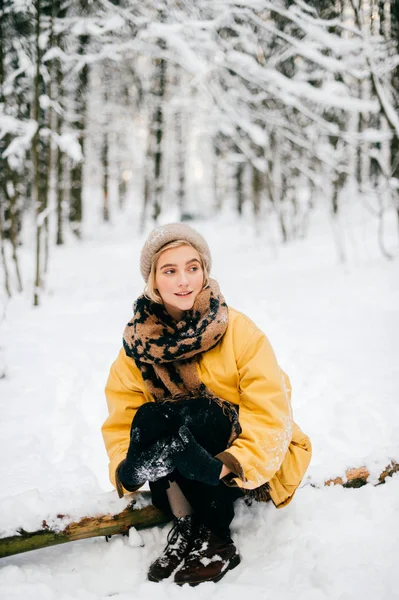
(179, 278)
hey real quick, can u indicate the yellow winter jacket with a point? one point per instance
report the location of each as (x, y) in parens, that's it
(242, 369)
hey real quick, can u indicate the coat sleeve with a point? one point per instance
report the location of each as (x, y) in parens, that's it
(265, 415)
(124, 396)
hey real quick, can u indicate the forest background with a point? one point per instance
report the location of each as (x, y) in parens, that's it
(272, 110)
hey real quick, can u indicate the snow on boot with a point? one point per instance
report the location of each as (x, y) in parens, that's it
(180, 540)
(209, 559)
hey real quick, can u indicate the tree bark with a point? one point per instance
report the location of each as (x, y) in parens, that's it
(181, 163)
(105, 156)
(394, 6)
(217, 180)
(88, 527)
(36, 187)
(3, 255)
(257, 186)
(358, 477)
(239, 188)
(3, 192)
(59, 159)
(15, 226)
(157, 127)
(76, 197)
(8, 188)
(51, 124)
(148, 189)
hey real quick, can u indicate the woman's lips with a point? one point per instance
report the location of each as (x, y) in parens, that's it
(183, 294)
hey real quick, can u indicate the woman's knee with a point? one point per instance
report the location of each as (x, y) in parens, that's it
(144, 412)
(148, 415)
(154, 420)
(206, 420)
(202, 412)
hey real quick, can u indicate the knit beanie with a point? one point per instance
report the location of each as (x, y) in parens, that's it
(165, 234)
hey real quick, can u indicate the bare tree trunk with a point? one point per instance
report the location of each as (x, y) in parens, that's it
(181, 163)
(3, 253)
(361, 148)
(216, 178)
(105, 158)
(338, 183)
(239, 187)
(80, 109)
(36, 187)
(394, 21)
(11, 213)
(59, 161)
(14, 229)
(105, 164)
(147, 182)
(159, 91)
(154, 185)
(276, 185)
(122, 191)
(51, 123)
(4, 202)
(256, 191)
(8, 191)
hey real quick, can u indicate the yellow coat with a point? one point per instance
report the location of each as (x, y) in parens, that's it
(242, 369)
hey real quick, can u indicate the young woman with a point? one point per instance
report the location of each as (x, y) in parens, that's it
(199, 408)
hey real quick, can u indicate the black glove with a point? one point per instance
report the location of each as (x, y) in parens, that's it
(148, 463)
(194, 462)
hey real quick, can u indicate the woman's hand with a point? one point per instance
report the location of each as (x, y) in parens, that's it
(149, 463)
(195, 462)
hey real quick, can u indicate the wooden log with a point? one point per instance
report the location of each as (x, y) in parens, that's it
(88, 527)
(355, 478)
(140, 518)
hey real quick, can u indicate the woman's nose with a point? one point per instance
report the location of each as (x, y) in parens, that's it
(183, 281)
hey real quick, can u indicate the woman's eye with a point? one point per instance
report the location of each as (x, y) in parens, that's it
(194, 269)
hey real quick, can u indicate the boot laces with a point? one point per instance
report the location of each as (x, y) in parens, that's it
(179, 536)
(201, 542)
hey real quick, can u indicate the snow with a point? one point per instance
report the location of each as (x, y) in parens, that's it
(68, 143)
(248, 69)
(24, 131)
(334, 328)
(135, 538)
(389, 110)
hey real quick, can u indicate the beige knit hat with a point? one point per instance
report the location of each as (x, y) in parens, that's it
(161, 236)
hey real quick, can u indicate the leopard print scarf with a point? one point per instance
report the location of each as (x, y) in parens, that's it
(166, 351)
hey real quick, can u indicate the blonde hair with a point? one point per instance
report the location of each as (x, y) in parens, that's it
(150, 290)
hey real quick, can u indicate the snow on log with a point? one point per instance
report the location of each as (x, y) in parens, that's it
(140, 518)
(88, 527)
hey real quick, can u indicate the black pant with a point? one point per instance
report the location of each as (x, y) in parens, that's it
(213, 504)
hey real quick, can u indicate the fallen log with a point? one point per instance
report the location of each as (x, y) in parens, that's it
(356, 478)
(140, 518)
(88, 527)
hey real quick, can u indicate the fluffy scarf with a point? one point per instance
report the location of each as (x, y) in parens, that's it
(166, 351)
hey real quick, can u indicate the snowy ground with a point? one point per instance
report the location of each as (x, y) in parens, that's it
(335, 330)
